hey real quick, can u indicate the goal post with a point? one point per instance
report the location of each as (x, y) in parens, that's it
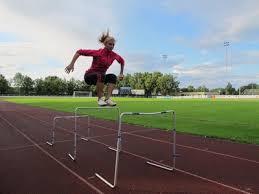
(82, 94)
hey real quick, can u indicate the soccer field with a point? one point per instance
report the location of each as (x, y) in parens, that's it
(235, 119)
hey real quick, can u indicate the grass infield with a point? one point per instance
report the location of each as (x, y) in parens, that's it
(234, 119)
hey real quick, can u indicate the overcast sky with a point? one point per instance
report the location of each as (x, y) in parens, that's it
(39, 37)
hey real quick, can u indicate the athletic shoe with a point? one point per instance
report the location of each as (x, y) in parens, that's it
(101, 102)
(110, 102)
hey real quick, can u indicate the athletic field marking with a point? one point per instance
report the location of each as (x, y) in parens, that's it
(53, 158)
(185, 146)
(180, 170)
(157, 140)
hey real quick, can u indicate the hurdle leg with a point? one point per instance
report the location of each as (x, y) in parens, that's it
(88, 130)
(73, 157)
(51, 143)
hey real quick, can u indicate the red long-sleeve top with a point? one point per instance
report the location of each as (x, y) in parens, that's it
(102, 59)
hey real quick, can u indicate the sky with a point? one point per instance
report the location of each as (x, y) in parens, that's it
(185, 38)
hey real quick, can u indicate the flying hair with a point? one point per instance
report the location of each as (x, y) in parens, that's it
(105, 37)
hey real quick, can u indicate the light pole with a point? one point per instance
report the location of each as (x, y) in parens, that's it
(226, 44)
(164, 57)
(252, 88)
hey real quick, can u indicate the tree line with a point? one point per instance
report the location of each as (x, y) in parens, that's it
(155, 83)
(152, 83)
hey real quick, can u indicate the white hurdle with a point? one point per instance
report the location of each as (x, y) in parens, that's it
(73, 157)
(156, 164)
(52, 141)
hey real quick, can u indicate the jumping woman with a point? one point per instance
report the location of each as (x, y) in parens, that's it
(96, 74)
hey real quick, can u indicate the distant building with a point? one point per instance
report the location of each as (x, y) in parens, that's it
(138, 92)
(115, 92)
(124, 91)
(127, 91)
(198, 93)
(251, 92)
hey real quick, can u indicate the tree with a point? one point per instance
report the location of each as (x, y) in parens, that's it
(138, 81)
(4, 85)
(39, 87)
(71, 86)
(148, 83)
(229, 89)
(184, 89)
(191, 89)
(218, 90)
(252, 86)
(167, 84)
(155, 78)
(27, 85)
(202, 89)
(82, 86)
(126, 82)
(17, 80)
(55, 85)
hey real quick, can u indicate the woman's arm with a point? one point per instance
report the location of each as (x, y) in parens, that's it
(70, 67)
(121, 72)
(84, 52)
(122, 63)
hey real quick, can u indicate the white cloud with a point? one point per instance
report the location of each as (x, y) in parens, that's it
(51, 30)
(232, 20)
(211, 75)
(205, 70)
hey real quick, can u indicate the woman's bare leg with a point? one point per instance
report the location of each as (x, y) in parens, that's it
(99, 89)
(110, 88)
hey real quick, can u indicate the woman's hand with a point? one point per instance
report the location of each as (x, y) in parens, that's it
(121, 76)
(69, 68)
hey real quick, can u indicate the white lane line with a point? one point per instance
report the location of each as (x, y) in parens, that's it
(145, 158)
(53, 158)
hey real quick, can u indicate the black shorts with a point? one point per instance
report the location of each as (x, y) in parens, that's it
(91, 78)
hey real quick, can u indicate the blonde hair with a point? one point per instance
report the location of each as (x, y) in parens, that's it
(105, 37)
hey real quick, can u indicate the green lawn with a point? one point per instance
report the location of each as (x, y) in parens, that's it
(235, 119)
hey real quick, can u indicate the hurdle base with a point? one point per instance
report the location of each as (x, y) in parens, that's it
(85, 139)
(49, 143)
(113, 149)
(72, 157)
(160, 166)
(104, 180)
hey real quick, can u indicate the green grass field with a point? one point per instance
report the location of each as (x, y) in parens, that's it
(235, 119)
